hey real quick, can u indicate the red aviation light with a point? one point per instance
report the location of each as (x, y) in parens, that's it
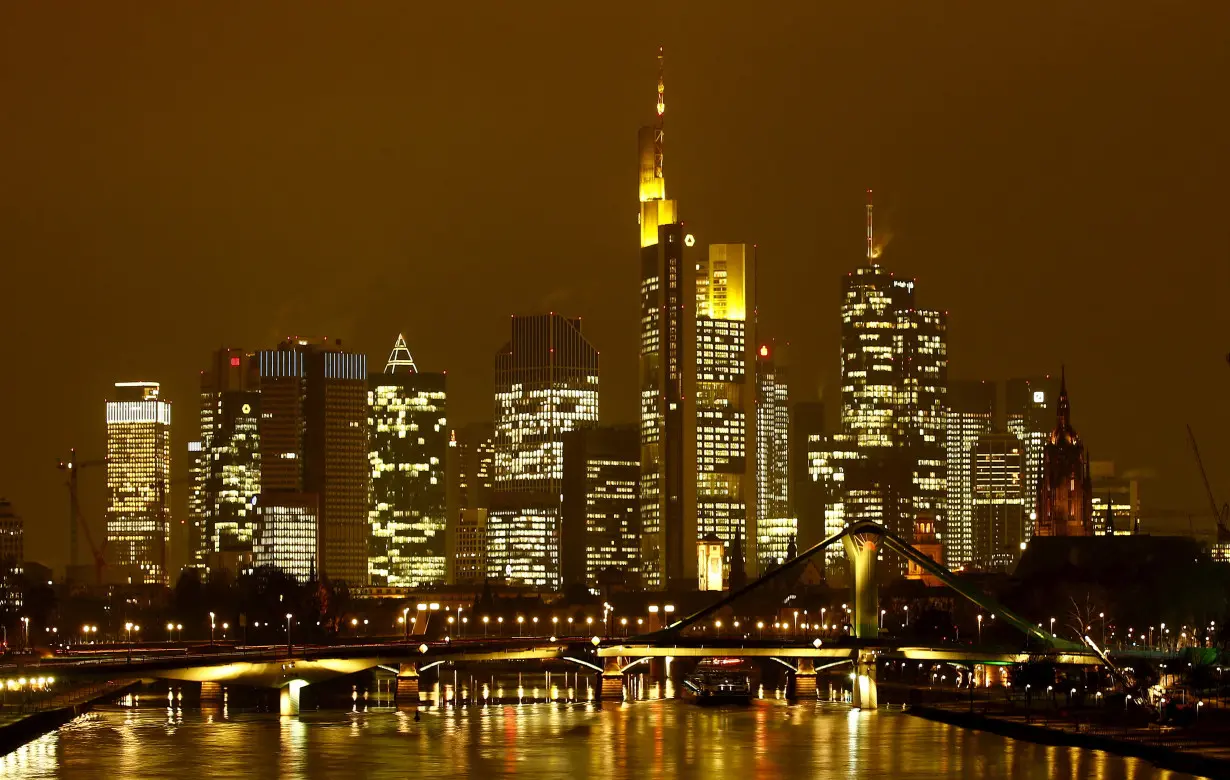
(764, 351)
(235, 361)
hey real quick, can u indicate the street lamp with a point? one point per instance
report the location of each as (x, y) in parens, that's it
(906, 609)
(179, 629)
(405, 621)
(170, 628)
(1052, 627)
(486, 620)
(980, 629)
(211, 629)
(288, 644)
(882, 613)
(760, 628)
(520, 623)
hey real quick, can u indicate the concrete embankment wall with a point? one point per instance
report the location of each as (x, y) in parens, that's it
(1158, 755)
(36, 724)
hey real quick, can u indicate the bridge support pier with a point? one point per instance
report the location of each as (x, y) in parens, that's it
(865, 694)
(407, 695)
(612, 688)
(211, 693)
(288, 697)
(803, 681)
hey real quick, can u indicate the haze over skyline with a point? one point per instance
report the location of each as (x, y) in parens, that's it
(178, 182)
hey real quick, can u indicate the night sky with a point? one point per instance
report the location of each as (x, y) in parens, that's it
(175, 177)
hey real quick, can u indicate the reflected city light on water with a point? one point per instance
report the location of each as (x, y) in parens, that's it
(653, 738)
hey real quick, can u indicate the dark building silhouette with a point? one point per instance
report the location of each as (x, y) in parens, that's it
(1065, 490)
(600, 536)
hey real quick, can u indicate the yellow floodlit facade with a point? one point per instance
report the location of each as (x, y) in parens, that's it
(138, 474)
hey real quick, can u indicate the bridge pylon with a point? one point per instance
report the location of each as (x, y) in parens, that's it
(862, 549)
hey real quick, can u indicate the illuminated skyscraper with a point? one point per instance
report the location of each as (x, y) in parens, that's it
(999, 503)
(313, 443)
(225, 469)
(971, 414)
(1030, 408)
(725, 402)
(138, 475)
(12, 558)
(894, 372)
(546, 384)
(600, 533)
(667, 378)
(776, 524)
(408, 438)
(1065, 490)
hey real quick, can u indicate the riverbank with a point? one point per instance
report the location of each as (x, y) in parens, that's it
(1191, 752)
(21, 727)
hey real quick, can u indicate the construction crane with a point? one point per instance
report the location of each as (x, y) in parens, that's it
(1222, 514)
(72, 467)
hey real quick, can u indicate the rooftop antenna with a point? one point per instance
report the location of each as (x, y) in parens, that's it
(870, 232)
(658, 133)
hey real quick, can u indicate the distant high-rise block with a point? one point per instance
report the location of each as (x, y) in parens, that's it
(1029, 415)
(600, 533)
(776, 524)
(470, 548)
(408, 439)
(971, 414)
(470, 469)
(138, 480)
(1065, 490)
(289, 533)
(807, 422)
(999, 502)
(225, 467)
(546, 384)
(313, 440)
(1116, 500)
(12, 558)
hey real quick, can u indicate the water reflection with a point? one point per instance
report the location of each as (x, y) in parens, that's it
(657, 738)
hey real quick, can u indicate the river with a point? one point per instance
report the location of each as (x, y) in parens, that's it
(647, 739)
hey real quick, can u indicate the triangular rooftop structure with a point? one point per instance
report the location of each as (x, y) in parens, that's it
(400, 360)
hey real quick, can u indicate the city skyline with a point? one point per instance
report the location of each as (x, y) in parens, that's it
(801, 263)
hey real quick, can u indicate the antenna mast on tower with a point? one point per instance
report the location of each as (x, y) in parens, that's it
(661, 106)
(871, 252)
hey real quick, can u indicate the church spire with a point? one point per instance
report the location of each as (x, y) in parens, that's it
(400, 360)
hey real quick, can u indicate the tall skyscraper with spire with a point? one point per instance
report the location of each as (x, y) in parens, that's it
(894, 372)
(408, 439)
(1065, 490)
(667, 375)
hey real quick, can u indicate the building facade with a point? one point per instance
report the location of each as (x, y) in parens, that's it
(725, 404)
(1115, 505)
(546, 384)
(408, 440)
(225, 473)
(600, 532)
(999, 502)
(971, 415)
(471, 480)
(807, 496)
(776, 523)
(138, 482)
(313, 443)
(12, 558)
(1029, 415)
(1065, 489)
